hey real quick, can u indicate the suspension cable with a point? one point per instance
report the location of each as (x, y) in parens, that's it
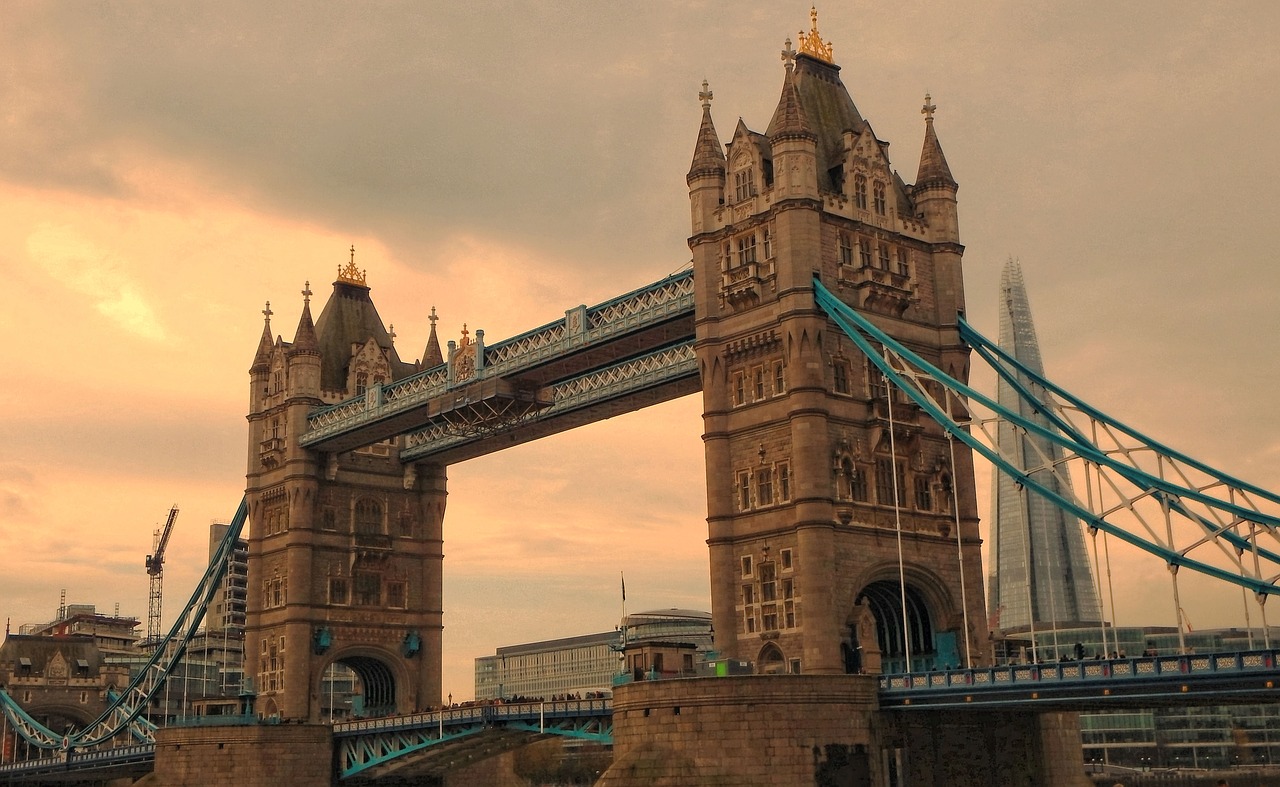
(897, 522)
(955, 509)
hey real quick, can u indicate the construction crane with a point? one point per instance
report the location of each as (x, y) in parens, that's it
(155, 569)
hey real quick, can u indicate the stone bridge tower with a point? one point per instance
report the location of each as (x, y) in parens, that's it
(344, 548)
(808, 485)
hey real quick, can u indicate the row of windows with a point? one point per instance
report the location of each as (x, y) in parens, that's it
(852, 485)
(886, 257)
(747, 249)
(764, 486)
(759, 383)
(749, 564)
(271, 664)
(878, 194)
(770, 617)
(367, 589)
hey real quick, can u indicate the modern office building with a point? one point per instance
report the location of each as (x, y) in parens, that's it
(586, 663)
(1040, 576)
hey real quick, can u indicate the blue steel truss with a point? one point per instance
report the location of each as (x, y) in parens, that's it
(1138, 682)
(365, 744)
(1138, 490)
(124, 714)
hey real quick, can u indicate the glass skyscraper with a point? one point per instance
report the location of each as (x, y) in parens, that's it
(1040, 575)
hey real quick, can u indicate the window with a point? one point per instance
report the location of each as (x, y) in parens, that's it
(757, 377)
(768, 582)
(769, 617)
(744, 184)
(726, 261)
(858, 485)
(368, 516)
(329, 519)
(751, 621)
(746, 565)
(864, 252)
(860, 191)
(846, 249)
(904, 262)
(795, 666)
(768, 243)
(884, 256)
(879, 197)
(924, 500)
(779, 379)
(368, 589)
(362, 383)
(397, 598)
(747, 249)
(744, 496)
(785, 556)
(748, 594)
(885, 478)
(764, 487)
(840, 372)
(784, 486)
(739, 389)
(339, 591)
(788, 588)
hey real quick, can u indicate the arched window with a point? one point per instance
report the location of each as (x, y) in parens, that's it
(368, 516)
(879, 197)
(770, 661)
(362, 383)
(860, 191)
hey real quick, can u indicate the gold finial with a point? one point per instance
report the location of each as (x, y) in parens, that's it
(350, 274)
(812, 43)
(465, 339)
(267, 312)
(928, 109)
(432, 319)
(789, 55)
(705, 96)
(391, 332)
(306, 293)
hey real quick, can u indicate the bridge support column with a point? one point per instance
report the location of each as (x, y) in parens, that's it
(256, 755)
(826, 730)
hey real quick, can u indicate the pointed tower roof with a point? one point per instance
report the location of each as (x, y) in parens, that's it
(348, 319)
(304, 339)
(432, 356)
(828, 108)
(708, 155)
(933, 165)
(262, 358)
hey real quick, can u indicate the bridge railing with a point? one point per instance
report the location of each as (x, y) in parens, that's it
(477, 714)
(1129, 668)
(649, 305)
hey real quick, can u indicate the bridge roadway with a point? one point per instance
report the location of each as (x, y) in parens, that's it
(432, 743)
(629, 352)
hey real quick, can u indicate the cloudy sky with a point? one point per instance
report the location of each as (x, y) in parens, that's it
(165, 168)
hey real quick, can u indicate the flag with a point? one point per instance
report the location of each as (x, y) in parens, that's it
(624, 585)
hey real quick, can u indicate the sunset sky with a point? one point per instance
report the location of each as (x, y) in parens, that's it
(166, 168)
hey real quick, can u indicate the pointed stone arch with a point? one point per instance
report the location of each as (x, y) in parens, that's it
(770, 660)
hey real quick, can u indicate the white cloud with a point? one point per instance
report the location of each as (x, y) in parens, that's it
(83, 267)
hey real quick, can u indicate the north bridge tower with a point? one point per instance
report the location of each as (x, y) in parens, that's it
(345, 548)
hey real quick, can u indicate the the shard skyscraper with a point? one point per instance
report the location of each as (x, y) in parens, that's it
(1040, 574)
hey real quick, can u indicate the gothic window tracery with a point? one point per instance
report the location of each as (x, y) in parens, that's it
(879, 196)
(860, 191)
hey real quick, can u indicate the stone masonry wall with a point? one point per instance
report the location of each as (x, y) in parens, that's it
(268, 755)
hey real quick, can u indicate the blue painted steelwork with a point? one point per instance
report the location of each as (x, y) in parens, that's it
(79, 762)
(915, 377)
(367, 743)
(658, 368)
(581, 328)
(125, 713)
(1215, 678)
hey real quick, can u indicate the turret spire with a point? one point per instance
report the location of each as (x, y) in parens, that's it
(262, 358)
(708, 155)
(304, 339)
(432, 356)
(933, 165)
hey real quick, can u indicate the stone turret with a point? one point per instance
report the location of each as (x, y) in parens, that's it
(706, 173)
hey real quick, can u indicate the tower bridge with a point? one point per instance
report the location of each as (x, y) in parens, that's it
(822, 322)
